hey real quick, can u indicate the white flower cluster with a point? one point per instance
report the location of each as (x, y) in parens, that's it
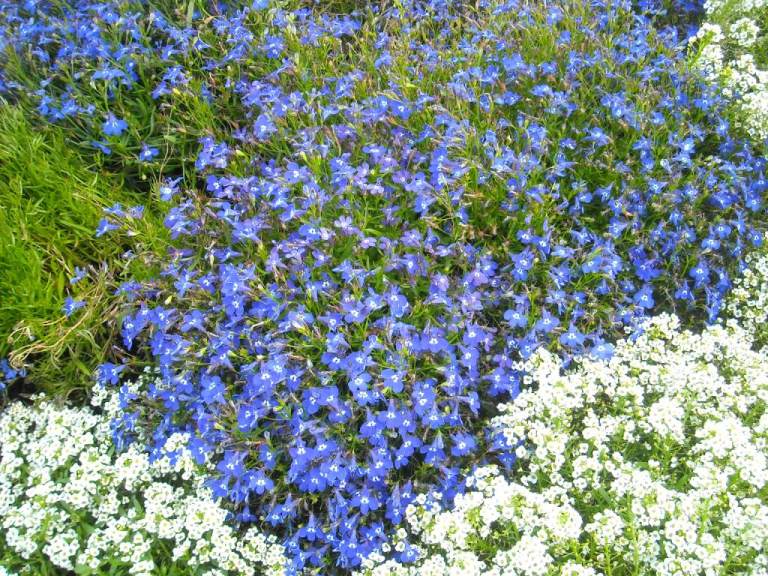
(747, 304)
(66, 497)
(653, 463)
(725, 48)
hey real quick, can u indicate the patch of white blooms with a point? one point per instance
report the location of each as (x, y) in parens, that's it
(747, 304)
(725, 48)
(653, 463)
(65, 496)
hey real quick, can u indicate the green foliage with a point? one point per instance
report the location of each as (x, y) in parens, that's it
(51, 204)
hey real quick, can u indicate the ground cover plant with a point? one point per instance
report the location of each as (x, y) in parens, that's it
(652, 463)
(731, 47)
(69, 502)
(51, 203)
(376, 217)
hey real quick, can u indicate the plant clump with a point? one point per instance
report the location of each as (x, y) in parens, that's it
(378, 216)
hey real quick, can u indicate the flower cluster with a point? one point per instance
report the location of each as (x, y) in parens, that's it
(66, 499)
(731, 48)
(376, 217)
(652, 463)
(747, 303)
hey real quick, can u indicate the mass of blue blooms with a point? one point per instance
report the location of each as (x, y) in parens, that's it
(362, 259)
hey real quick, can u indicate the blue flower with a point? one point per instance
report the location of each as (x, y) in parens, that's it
(263, 128)
(547, 323)
(462, 444)
(365, 501)
(597, 136)
(212, 389)
(572, 338)
(516, 318)
(104, 227)
(644, 297)
(113, 126)
(393, 379)
(398, 304)
(9, 374)
(232, 464)
(71, 305)
(80, 273)
(108, 373)
(700, 274)
(102, 146)
(260, 483)
(148, 153)
(602, 350)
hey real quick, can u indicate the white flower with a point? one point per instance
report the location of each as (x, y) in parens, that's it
(58, 476)
(744, 32)
(722, 49)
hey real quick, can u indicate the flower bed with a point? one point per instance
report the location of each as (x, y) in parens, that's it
(340, 317)
(655, 462)
(652, 462)
(391, 230)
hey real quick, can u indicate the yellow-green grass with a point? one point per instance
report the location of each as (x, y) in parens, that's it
(50, 203)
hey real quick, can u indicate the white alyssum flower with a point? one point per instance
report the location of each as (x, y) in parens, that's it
(65, 496)
(744, 32)
(709, 54)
